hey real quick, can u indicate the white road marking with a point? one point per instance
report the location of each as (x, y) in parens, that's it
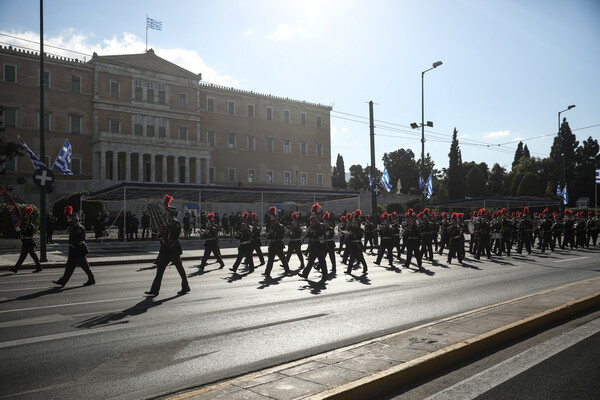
(490, 378)
(571, 259)
(36, 320)
(68, 304)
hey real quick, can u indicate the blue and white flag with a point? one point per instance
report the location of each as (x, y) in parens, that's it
(372, 182)
(385, 181)
(63, 161)
(34, 159)
(153, 24)
(558, 191)
(565, 195)
(597, 176)
(421, 182)
(429, 186)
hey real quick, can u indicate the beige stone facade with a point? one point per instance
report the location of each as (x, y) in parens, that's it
(140, 118)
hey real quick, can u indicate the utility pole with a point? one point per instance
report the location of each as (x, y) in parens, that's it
(43, 257)
(374, 186)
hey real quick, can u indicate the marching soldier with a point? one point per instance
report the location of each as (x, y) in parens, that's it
(316, 251)
(483, 229)
(356, 253)
(342, 233)
(444, 232)
(569, 227)
(506, 229)
(557, 229)
(387, 240)
(526, 229)
(546, 232)
(211, 242)
(329, 241)
(580, 230)
(295, 243)
(368, 227)
(255, 240)
(27, 243)
(275, 237)
(170, 250)
(427, 232)
(245, 248)
(591, 228)
(77, 251)
(455, 240)
(412, 239)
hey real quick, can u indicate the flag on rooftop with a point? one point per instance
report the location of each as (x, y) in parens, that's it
(34, 159)
(153, 24)
(63, 161)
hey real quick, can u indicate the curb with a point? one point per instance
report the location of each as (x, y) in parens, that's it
(387, 381)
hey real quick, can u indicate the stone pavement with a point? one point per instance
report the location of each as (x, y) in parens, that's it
(378, 366)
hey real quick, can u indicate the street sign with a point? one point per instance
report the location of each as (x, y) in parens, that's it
(43, 177)
(376, 190)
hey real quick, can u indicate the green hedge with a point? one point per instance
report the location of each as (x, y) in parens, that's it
(90, 209)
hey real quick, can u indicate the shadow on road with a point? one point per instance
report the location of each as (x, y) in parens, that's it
(45, 292)
(117, 318)
(314, 287)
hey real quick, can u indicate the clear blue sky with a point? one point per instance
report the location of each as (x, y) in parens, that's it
(508, 66)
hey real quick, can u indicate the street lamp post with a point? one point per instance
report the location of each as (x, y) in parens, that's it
(595, 185)
(562, 169)
(429, 124)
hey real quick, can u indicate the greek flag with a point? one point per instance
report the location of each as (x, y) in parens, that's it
(597, 176)
(565, 196)
(153, 24)
(558, 191)
(385, 181)
(372, 182)
(429, 186)
(421, 182)
(34, 159)
(63, 161)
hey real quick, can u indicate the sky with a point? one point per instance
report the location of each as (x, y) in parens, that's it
(508, 66)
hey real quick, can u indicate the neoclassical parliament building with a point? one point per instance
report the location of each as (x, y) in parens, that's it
(141, 118)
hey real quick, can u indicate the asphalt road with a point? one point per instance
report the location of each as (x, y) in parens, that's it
(109, 341)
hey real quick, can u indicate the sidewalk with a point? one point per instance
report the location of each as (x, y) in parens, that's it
(379, 366)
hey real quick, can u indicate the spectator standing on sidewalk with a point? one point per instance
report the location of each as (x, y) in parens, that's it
(27, 243)
(50, 220)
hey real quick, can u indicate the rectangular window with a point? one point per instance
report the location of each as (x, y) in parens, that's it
(115, 126)
(138, 90)
(231, 141)
(150, 130)
(304, 179)
(76, 124)
(319, 179)
(287, 177)
(138, 129)
(150, 92)
(162, 127)
(75, 84)
(231, 174)
(318, 121)
(269, 113)
(183, 133)
(269, 145)
(303, 119)
(182, 99)
(114, 89)
(231, 107)
(11, 165)
(319, 149)
(251, 175)
(10, 73)
(303, 148)
(250, 110)
(182, 174)
(162, 94)
(269, 176)
(10, 117)
(76, 166)
(286, 116)
(287, 146)
(251, 143)
(212, 174)
(210, 104)
(46, 79)
(210, 138)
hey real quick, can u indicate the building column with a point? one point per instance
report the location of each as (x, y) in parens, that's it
(152, 167)
(115, 166)
(95, 165)
(164, 168)
(207, 172)
(128, 166)
(175, 169)
(141, 167)
(187, 170)
(102, 165)
(198, 171)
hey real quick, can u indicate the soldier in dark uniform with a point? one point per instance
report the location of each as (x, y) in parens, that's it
(580, 230)
(386, 242)
(412, 239)
(506, 230)
(546, 231)
(26, 230)
(255, 241)
(484, 231)
(591, 228)
(368, 227)
(495, 233)
(342, 233)
(474, 242)
(356, 253)
(77, 251)
(557, 228)
(295, 243)
(211, 242)
(170, 250)
(329, 227)
(569, 226)
(395, 224)
(427, 231)
(245, 249)
(525, 230)
(275, 236)
(316, 251)
(455, 240)
(347, 239)
(436, 228)
(443, 228)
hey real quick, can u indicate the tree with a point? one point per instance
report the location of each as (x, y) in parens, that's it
(8, 150)
(401, 165)
(338, 180)
(529, 186)
(526, 153)
(456, 175)
(475, 182)
(584, 174)
(359, 177)
(496, 180)
(516, 182)
(518, 154)
(565, 143)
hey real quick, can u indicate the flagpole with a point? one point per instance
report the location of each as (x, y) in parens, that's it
(43, 257)
(146, 32)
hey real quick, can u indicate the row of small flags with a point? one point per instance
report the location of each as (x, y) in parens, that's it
(424, 186)
(62, 162)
